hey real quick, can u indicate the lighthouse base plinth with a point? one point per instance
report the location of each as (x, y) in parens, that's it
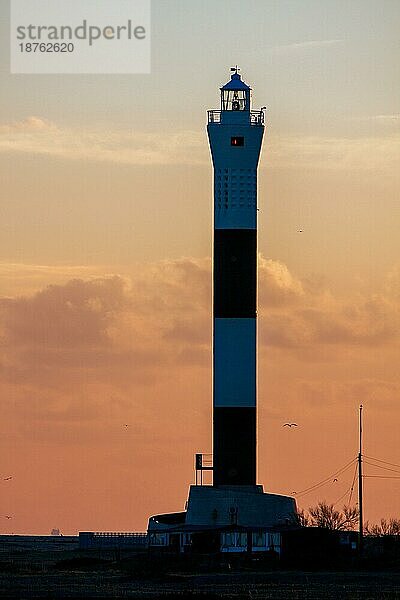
(218, 517)
(247, 506)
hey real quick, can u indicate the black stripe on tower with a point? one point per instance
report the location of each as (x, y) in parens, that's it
(234, 446)
(235, 273)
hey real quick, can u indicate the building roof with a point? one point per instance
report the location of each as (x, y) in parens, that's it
(170, 518)
(235, 83)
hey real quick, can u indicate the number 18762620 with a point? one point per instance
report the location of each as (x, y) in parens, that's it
(47, 47)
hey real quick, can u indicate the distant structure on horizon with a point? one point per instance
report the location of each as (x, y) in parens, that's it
(234, 514)
(55, 532)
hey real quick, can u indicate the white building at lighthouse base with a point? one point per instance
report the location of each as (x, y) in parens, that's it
(225, 519)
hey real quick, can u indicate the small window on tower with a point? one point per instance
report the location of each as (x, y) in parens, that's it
(237, 141)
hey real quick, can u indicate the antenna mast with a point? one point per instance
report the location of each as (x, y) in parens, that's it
(360, 486)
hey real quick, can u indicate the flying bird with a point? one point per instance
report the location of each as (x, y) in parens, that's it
(7, 517)
(334, 480)
(290, 425)
(7, 478)
(126, 425)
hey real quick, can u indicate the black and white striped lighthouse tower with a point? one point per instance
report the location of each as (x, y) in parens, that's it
(235, 134)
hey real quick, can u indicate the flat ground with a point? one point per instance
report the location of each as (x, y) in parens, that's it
(54, 568)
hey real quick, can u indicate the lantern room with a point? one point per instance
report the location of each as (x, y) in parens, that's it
(235, 95)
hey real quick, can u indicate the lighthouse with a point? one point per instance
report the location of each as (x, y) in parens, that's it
(234, 512)
(235, 133)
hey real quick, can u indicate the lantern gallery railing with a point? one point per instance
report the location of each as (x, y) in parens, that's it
(256, 116)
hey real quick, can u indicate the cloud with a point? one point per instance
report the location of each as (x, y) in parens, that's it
(316, 320)
(76, 314)
(26, 279)
(379, 154)
(113, 347)
(306, 45)
(383, 118)
(108, 329)
(125, 329)
(277, 286)
(30, 124)
(37, 136)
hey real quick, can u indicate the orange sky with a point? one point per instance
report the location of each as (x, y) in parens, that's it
(89, 353)
(105, 273)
